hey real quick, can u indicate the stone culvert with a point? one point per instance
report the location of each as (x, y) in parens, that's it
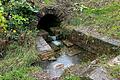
(51, 16)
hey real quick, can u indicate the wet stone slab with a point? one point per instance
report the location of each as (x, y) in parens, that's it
(99, 74)
(44, 50)
(42, 45)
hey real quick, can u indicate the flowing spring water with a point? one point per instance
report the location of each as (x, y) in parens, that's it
(55, 41)
(57, 68)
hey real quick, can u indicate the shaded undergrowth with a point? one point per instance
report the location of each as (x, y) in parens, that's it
(16, 63)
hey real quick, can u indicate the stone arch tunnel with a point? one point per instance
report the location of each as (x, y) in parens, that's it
(50, 17)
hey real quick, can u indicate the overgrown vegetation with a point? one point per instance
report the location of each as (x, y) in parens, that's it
(115, 71)
(16, 63)
(104, 18)
(16, 17)
(15, 28)
(73, 77)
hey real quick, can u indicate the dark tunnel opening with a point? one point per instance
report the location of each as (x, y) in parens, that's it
(48, 21)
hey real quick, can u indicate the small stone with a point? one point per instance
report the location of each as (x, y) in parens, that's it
(99, 74)
(67, 43)
(54, 47)
(46, 55)
(115, 61)
(43, 33)
(52, 58)
(73, 51)
(95, 62)
(59, 66)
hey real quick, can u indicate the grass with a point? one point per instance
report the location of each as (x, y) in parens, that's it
(115, 72)
(74, 77)
(106, 19)
(16, 63)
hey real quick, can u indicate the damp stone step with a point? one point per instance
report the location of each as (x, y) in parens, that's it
(44, 50)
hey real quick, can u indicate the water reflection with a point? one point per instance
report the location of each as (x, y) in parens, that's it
(57, 68)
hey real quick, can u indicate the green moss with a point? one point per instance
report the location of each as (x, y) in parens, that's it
(115, 71)
(73, 77)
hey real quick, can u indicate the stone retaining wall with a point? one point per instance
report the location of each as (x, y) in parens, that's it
(93, 41)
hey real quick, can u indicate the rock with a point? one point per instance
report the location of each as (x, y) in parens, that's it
(43, 33)
(93, 41)
(52, 58)
(94, 62)
(42, 76)
(115, 61)
(46, 55)
(59, 66)
(54, 47)
(67, 43)
(73, 51)
(45, 51)
(75, 69)
(91, 71)
(56, 30)
(42, 45)
(99, 74)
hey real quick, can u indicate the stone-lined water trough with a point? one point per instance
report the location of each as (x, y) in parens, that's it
(61, 51)
(81, 44)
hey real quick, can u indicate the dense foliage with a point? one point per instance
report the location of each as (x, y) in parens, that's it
(16, 16)
(15, 19)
